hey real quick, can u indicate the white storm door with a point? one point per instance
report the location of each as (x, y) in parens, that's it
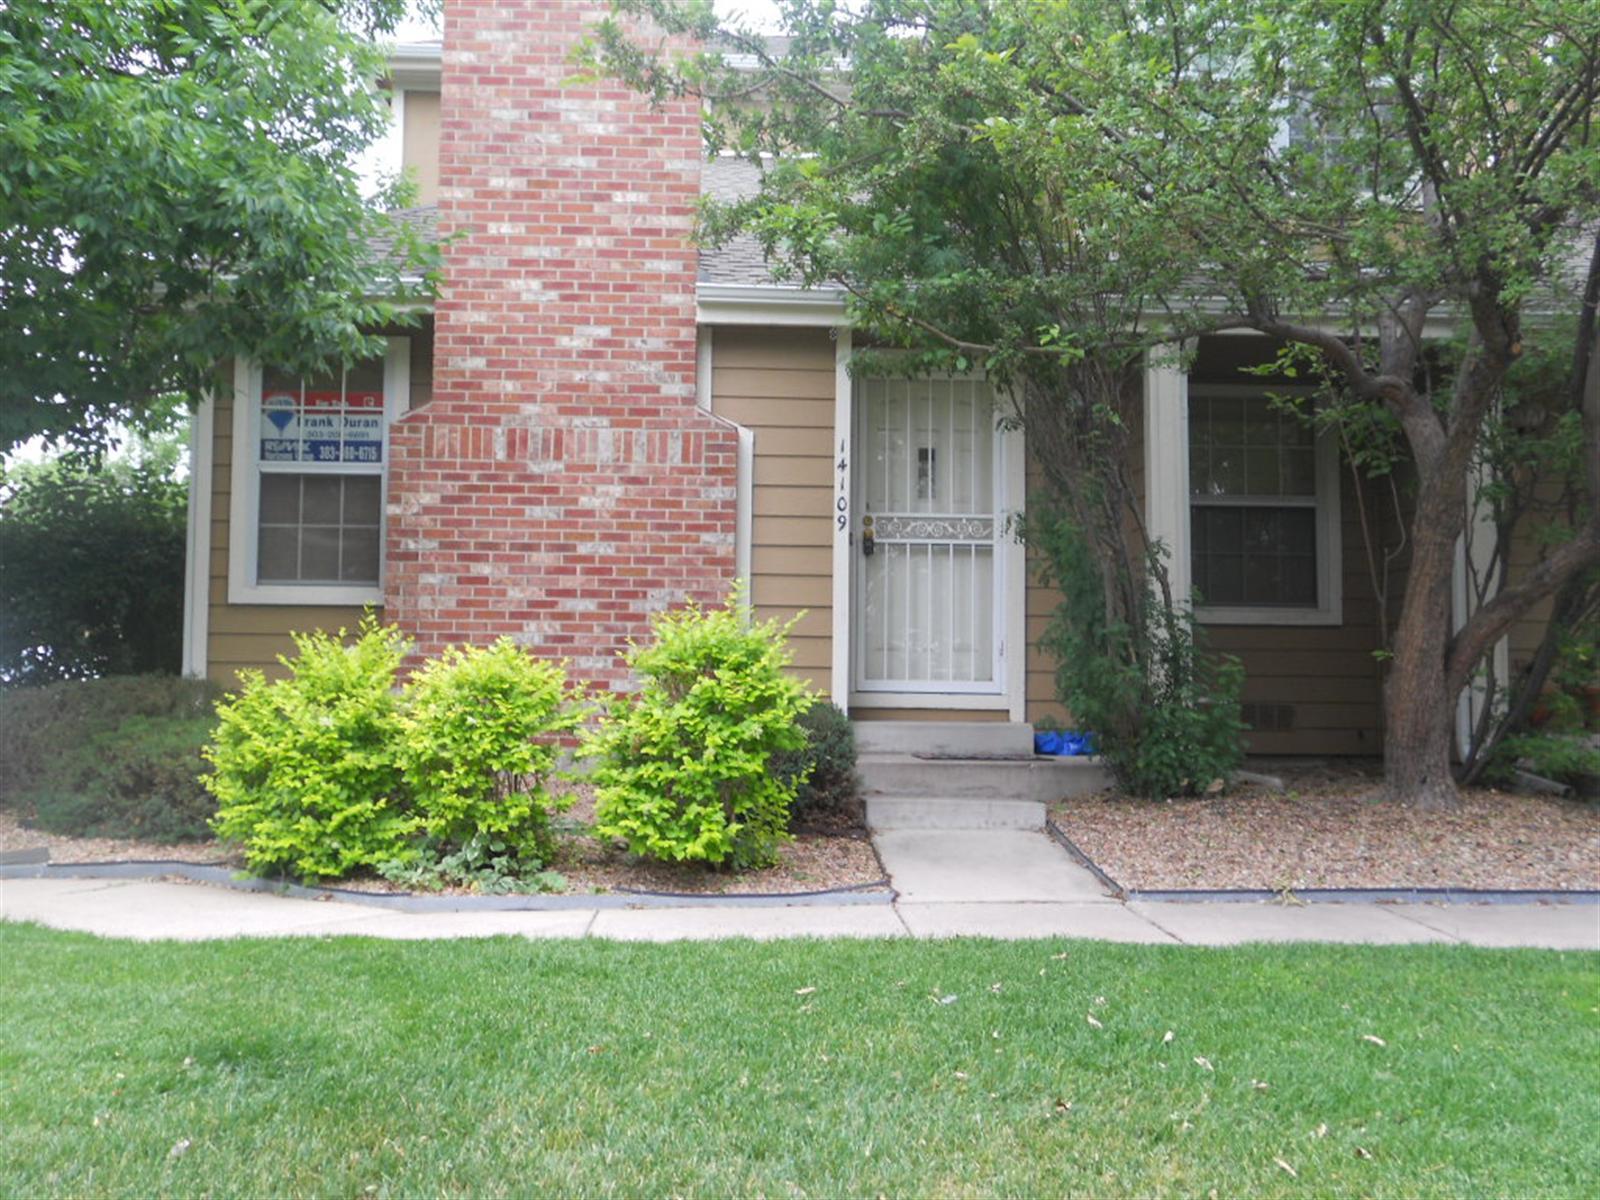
(928, 586)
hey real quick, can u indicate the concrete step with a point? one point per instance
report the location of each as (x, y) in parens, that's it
(1036, 779)
(924, 812)
(944, 737)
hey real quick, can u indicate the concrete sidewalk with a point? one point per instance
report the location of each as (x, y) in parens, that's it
(988, 883)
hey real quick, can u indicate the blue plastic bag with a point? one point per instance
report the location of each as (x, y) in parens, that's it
(1063, 743)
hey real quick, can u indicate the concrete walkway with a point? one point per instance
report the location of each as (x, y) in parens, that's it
(989, 883)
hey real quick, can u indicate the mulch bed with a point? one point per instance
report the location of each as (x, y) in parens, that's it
(1324, 831)
(839, 855)
(14, 835)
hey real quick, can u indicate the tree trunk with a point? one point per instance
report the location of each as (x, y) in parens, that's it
(1419, 714)
(1418, 739)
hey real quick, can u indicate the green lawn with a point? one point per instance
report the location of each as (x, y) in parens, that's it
(354, 1068)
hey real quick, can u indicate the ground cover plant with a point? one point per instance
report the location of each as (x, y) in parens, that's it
(798, 1069)
(115, 757)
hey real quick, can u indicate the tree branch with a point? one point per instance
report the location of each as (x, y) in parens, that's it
(1489, 623)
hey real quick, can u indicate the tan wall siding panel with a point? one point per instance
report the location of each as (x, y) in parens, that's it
(814, 594)
(783, 470)
(741, 348)
(761, 385)
(780, 384)
(777, 501)
(810, 532)
(419, 150)
(815, 562)
(757, 411)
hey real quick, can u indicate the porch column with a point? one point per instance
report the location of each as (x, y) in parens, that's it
(1166, 464)
(1473, 567)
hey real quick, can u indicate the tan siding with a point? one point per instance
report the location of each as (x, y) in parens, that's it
(780, 384)
(419, 149)
(253, 635)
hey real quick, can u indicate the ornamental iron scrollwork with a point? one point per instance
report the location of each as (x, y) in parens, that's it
(933, 529)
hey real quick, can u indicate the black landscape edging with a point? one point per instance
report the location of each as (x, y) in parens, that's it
(1415, 895)
(228, 877)
(1071, 847)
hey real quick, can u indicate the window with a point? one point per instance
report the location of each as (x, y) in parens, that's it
(1263, 512)
(308, 482)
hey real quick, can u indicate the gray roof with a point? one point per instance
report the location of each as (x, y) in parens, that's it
(741, 260)
(742, 263)
(423, 220)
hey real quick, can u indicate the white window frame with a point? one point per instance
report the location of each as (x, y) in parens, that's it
(1329, 609)
(244, 508)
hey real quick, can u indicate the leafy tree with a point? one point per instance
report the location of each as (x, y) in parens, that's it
(1052, 191)
(176, 187)
(91, 566)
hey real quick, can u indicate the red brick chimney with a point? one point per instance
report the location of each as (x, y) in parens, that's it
(562, 484)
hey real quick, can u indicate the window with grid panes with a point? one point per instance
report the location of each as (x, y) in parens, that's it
(1253, 503)
(319, 458)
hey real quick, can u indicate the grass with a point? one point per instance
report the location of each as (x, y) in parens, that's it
(345, 1067)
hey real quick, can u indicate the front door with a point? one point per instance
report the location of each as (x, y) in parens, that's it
(928, 586)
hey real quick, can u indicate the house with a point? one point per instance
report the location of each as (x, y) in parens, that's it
(597, 421)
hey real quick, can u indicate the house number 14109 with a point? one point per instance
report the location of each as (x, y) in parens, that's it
(842, 504)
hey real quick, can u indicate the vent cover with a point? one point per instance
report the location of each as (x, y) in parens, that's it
(1268, 718)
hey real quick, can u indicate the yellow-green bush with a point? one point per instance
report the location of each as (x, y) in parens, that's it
(684, 767)
(479, 743)
(304, 768)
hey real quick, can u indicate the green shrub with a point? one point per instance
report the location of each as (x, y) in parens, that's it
(685, 766)
(91, 568)
(45, 727)
(824, 768)
(304, 768)
(138, 780)
(113, 758)
(1567, 757)
(479, 743)
(1164, 712)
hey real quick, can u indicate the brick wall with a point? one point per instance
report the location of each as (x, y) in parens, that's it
(562, 483)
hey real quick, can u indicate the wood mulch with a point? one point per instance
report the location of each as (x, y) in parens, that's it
(838, 855)
(14, 835)
(1324, 831)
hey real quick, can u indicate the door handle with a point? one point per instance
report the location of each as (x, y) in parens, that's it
(867, 539)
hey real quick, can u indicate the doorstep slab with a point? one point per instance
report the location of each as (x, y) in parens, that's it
(699, 924)
(911, 812)
(1550, 926)
(1073, 919)
(943, 737)
(986, 866)
(1234, 924)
